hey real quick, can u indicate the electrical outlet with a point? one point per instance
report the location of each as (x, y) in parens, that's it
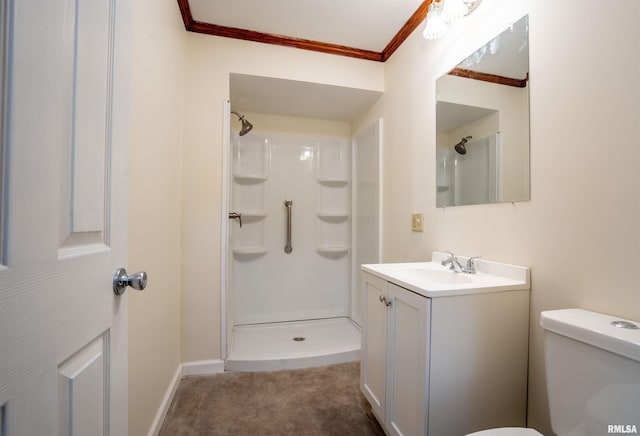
(416, 222)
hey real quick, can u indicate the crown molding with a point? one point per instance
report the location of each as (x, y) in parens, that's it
(414, 21)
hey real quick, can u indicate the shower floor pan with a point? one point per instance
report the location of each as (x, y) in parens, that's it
(293, 345)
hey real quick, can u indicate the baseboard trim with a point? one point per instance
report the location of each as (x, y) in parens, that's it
(166, 402)
(200, 367)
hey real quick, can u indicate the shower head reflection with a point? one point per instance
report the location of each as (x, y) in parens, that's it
(460, 146)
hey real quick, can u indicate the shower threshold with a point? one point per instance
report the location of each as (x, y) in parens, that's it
(293, 345)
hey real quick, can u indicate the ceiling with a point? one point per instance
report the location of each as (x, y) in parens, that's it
(368, 29)
(452, 116)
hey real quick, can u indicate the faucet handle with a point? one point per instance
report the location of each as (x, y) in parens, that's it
(471, 266)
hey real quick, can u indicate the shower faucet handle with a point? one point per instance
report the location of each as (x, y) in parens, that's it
(236, 216)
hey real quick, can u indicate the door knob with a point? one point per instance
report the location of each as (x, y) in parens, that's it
(121, 280)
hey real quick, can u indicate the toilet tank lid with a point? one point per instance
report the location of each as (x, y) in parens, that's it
(594, 329)
(506, 431)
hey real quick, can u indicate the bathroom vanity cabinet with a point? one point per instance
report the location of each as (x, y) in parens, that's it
(443, 365)
(394, 365)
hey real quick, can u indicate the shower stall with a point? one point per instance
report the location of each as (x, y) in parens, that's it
(292, 241)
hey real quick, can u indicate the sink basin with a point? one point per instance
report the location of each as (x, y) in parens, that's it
(431, 279)
(444, 277)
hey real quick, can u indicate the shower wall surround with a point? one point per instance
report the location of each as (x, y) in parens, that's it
(313, 281)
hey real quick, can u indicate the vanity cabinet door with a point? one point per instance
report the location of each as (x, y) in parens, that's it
(407, 361)
(374, 343)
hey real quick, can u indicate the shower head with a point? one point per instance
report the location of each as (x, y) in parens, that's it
(246, 125)
(459, 147)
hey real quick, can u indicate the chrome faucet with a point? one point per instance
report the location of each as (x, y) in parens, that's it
(455, 266)
(471, 265)
(453, 261)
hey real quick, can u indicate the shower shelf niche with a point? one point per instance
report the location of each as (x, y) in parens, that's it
(249, 178)
(333, 199)
(333, 216)
(250, 250)
(251, 159)
(333, 182)
(337, 249)
(248, 240)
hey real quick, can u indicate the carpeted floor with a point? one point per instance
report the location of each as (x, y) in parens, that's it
(305, 402)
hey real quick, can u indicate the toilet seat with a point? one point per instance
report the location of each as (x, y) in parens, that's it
(506, 431)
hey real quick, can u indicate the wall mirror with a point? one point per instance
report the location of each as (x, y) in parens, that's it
(482, 124)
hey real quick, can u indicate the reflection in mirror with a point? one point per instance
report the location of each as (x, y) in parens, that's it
(482, 124)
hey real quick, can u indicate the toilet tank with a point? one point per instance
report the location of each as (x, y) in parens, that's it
(593, 373)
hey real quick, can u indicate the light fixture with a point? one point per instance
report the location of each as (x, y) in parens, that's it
(435, 27)
(471, 5)
(453, 10)
(443, 12)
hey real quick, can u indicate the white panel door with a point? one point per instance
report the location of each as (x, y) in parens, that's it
(65, 77)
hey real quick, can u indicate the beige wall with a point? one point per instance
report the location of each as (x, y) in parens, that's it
(211, 60)
(579, 233)
(154, 206)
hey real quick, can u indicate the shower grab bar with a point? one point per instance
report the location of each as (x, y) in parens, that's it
(288, 203)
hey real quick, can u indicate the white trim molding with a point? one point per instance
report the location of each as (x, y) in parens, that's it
(187, 369)
(202, 367)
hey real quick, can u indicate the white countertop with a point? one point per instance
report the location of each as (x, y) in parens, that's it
(433, 280)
